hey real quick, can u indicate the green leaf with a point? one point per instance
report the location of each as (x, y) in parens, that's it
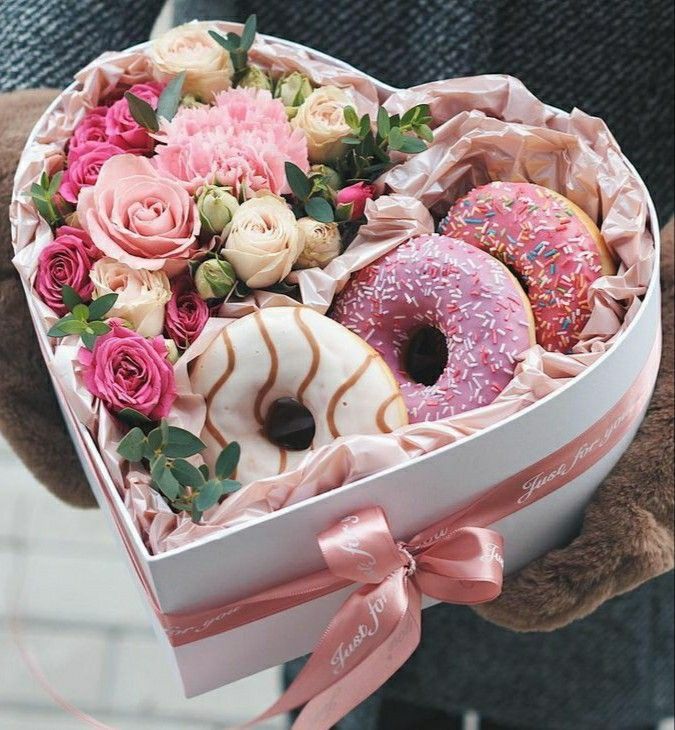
(235, 40)
(142, 112)
(81, 312)
(154, 443)
(66, 327)
(209, 495)
(320, 209)
(164, 431)
(169, 100)
(46, 210)
(412, 145)
(299, 183)
(351, 117)
(186, 474)
(409, 116)
(204, 469)
(395, 138)
(364, 126)
(383, 125)
(101, 306)
(54, 184)
(351, 140)
(131, 446)
(227, 460)
(99, 328)
(88, 339)
(134, 418)
(425, 132)
(164, 479)
(182, 443)
(70, 297)
(226, 43)
(248, 34)
(230, 485)
(196, 514)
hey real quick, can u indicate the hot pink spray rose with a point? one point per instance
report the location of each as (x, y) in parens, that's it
(243, 141)
(135, 216)
(126, 370)
(357, 195)
(84, 164)
(186, 314)
(63, 262)
(90, 129)
(70, 233)
(123, 130)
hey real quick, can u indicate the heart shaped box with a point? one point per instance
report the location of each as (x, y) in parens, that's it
(243, 560)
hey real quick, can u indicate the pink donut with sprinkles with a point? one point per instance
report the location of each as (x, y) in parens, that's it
(551, 245)
(447, 318)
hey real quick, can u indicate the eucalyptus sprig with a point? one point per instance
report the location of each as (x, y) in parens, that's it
(238, 46)
(167, 104)
(370, 145)
(187, 488)
(314, 199)
(51, 206)
(84, 320)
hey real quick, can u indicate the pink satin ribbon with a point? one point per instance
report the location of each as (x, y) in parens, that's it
(456, 560)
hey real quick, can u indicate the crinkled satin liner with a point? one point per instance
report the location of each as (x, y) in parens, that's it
(487, 128)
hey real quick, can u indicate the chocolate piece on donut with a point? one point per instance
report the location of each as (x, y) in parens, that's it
(447, 318)
(287, 379)
(549, 243)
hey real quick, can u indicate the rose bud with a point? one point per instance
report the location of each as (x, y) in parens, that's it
(355, 196)
(216, 208)
(255, 78)
(172, 351)
(322, 243)
(293, 89)
(214, 279)
(329, 177)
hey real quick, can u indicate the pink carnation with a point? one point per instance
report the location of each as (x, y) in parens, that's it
(63, 262)
(84, 165)
(123, 130)
(90, 129)
(126, 370)
(242, 141)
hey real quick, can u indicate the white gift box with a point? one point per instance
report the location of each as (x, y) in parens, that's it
(240, 561)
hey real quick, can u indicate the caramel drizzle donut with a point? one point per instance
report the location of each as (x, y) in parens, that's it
(291, 352)
(550, 244)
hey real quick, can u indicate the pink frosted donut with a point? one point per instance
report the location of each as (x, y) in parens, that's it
(448, 319)
(552, 246)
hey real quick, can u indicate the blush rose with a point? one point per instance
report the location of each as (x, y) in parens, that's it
(126, 370)
(135, 216)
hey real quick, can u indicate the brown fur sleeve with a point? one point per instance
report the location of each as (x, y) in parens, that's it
(30, 418)
(627, 534)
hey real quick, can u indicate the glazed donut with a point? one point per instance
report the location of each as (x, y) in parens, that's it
(551, 245)
(448, 319)
(287, 379)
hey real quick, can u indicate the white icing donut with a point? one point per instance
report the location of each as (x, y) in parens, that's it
(291, 352)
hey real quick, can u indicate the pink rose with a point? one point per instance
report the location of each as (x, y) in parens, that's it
(185, 317)
(123, 130)
(125, 370)
(84, 164)
(135, 216)
(356, 195)
(90, 129)
(63, 262)
(71, 233)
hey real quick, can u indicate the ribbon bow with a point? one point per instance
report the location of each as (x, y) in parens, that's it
(379, 626)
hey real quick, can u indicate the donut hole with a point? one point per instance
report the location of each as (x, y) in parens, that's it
(426, 355)
(289, 424)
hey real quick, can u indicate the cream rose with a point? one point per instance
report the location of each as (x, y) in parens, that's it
(321, 117)
(321, 243)
(264, 241)
(141, 295)
(190, 48)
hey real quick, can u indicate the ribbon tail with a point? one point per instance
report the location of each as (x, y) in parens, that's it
(326, 709)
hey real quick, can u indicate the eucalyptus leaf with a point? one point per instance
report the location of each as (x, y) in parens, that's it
(209, 495)
(412, 145)
(349, 140)
(88, 339)
(204, 471)
(351, 117)
(186, 474)
(248, 34)
(196, 514)
(364, 125)
(101, 306)
(131, 446)
(226, 43)
(424, 131)
(383, 125)
(169, 100)
(99, 328)
(320, 209)
(154, 443)
(142, 112)
(54, 184)
(168, 484)
(182, 443)
(227, 460)
(230, 485)
(299, 183)
(395, 138)
(134, 418)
